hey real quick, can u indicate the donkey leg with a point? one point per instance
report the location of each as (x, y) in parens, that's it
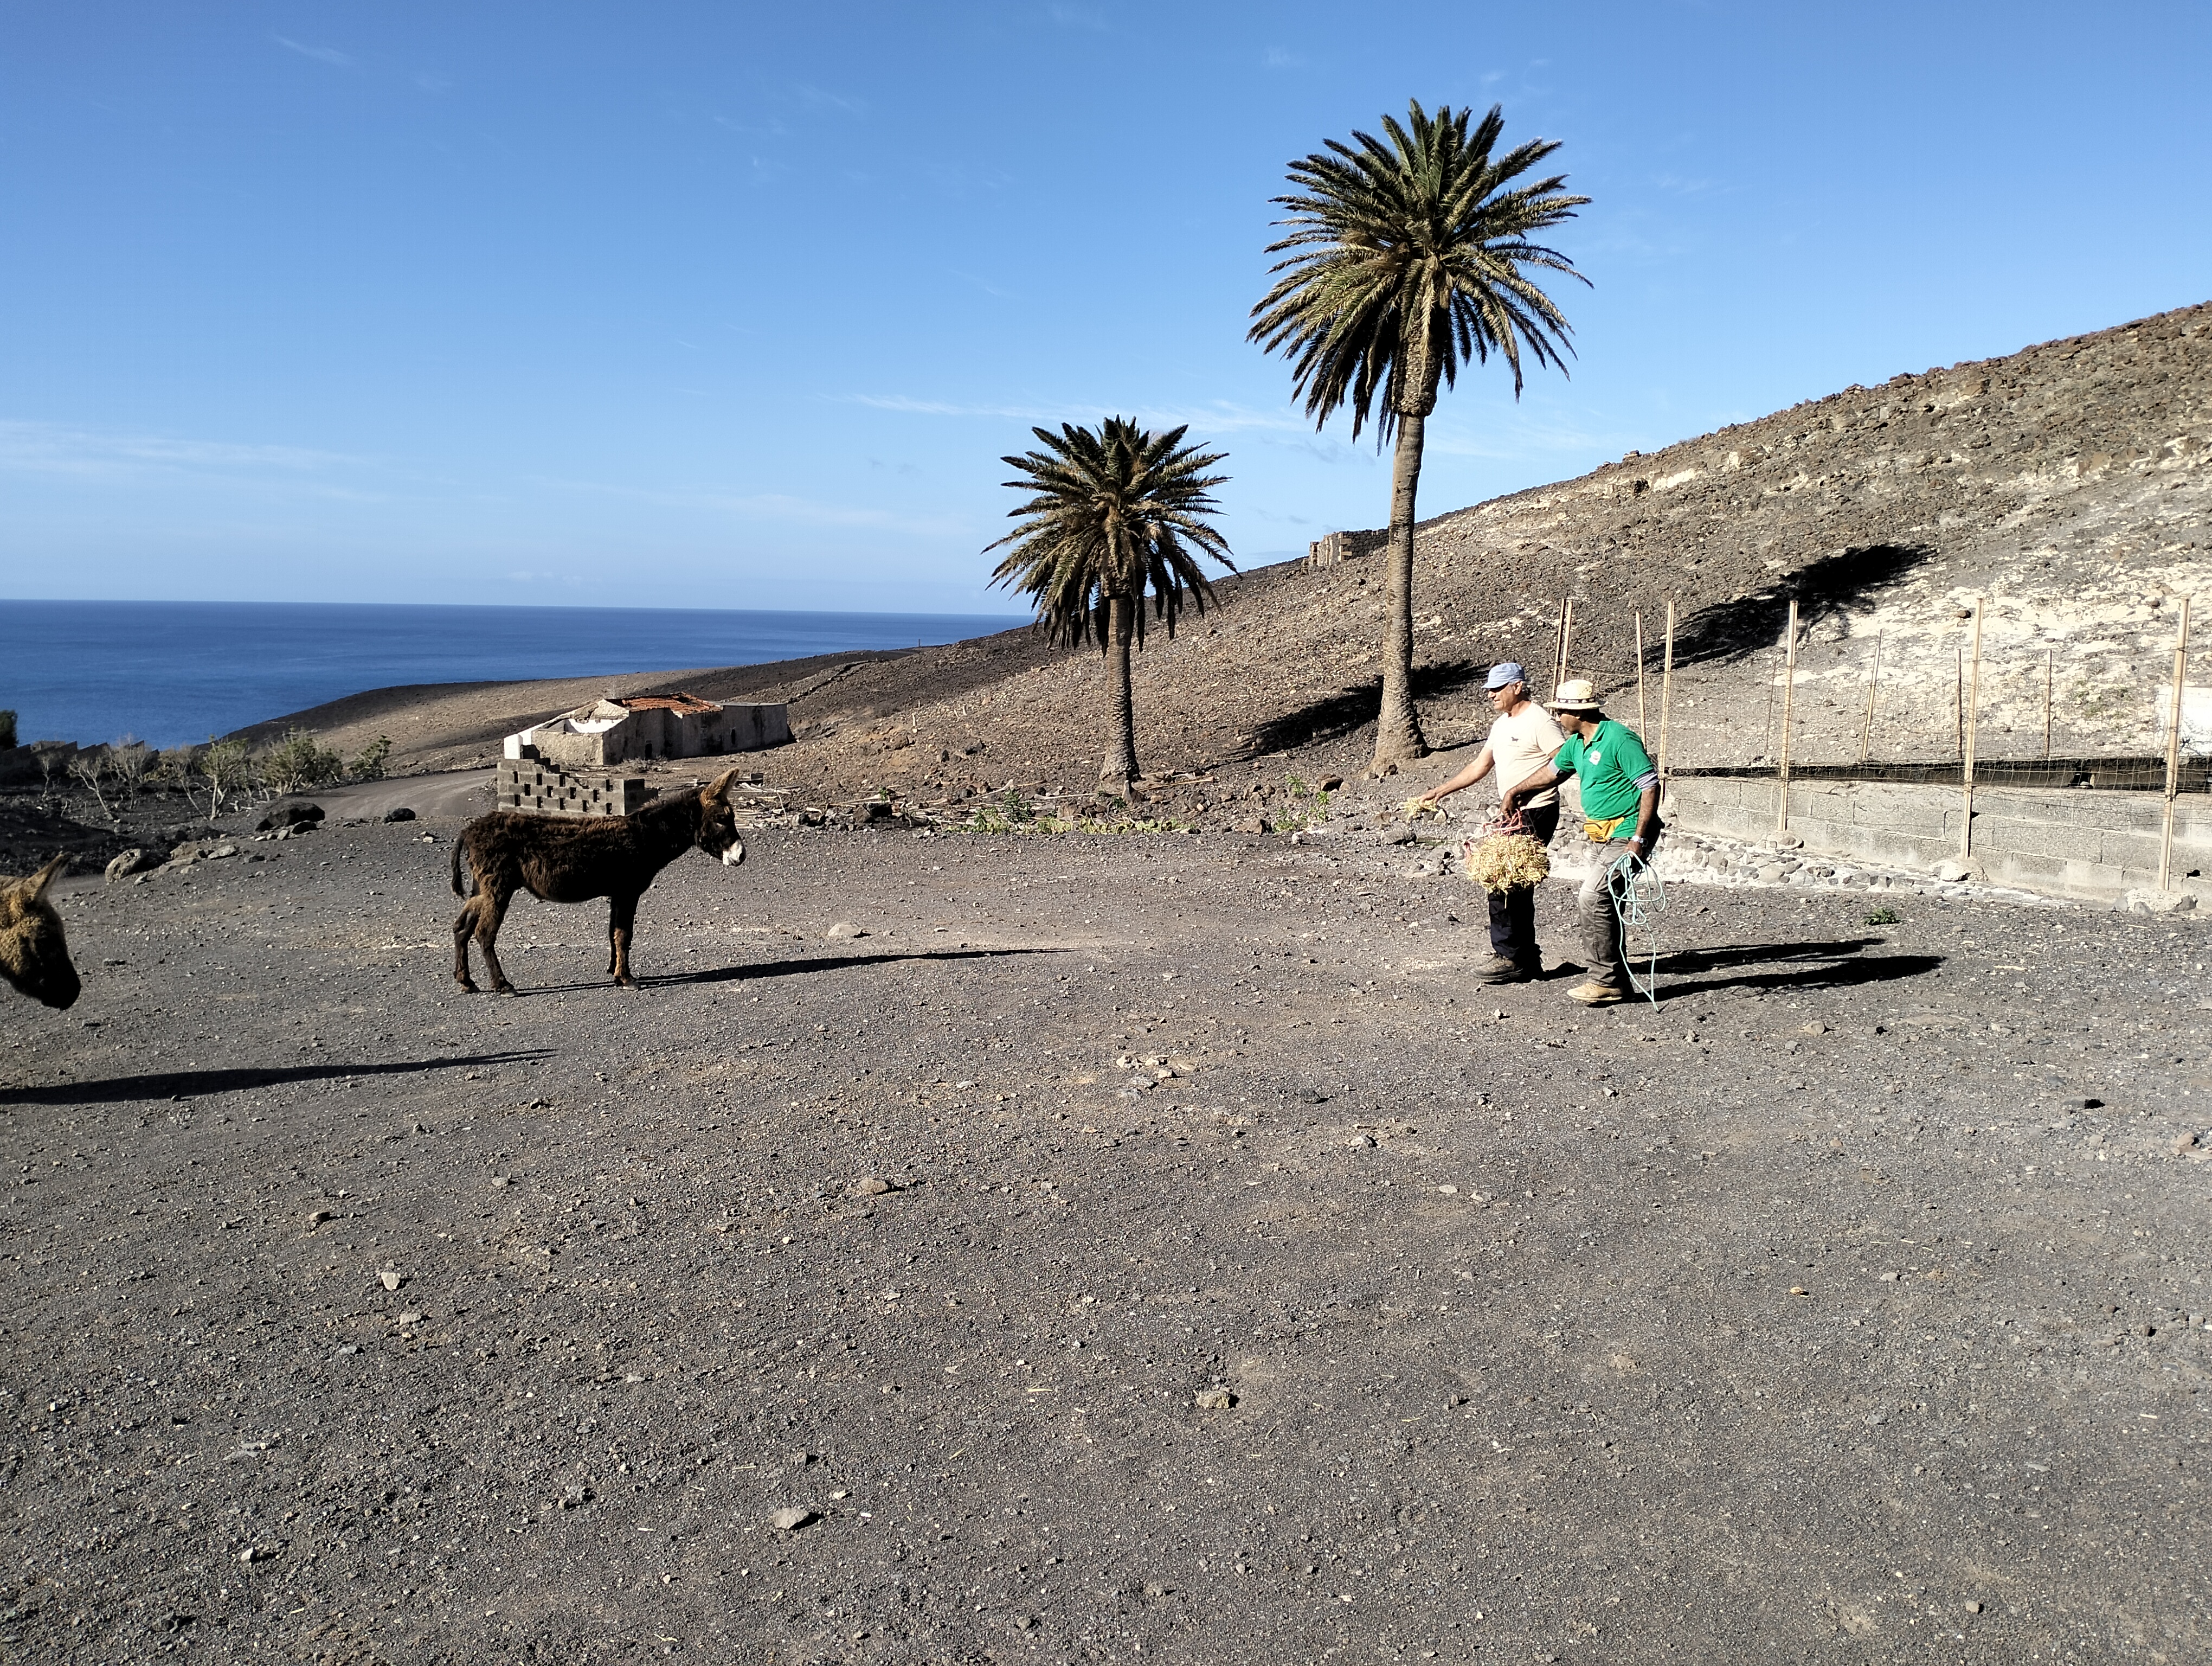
(493, 915)
(621, 913)
(464, 924)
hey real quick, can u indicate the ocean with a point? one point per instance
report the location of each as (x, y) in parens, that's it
(171, 673)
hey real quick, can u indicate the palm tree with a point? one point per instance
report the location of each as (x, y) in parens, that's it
(1116, 514)
(1404, 259)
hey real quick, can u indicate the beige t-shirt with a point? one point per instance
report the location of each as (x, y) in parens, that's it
(1521, 743)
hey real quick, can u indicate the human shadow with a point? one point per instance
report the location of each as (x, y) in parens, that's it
(791, 968)
(1836, 965)
(1743, 954)
(1849, 580)
(191, 1084)
(1339, 714)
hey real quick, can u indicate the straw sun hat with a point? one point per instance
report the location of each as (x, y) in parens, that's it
(1577, 694)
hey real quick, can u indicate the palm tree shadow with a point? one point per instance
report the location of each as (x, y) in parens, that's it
(792, 968)
(191, 1084)
(1338, 715)
(1836, 964)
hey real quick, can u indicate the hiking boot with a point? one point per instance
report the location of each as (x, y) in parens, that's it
(1594, 993)
(1500, 969)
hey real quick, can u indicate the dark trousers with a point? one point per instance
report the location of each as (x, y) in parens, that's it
(1513, 911)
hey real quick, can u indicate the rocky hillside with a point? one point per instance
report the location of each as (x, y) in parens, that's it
(2069, 483)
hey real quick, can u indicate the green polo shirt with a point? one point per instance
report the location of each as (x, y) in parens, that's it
(1608, 762)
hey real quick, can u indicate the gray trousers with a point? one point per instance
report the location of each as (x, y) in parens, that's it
(1600, 924)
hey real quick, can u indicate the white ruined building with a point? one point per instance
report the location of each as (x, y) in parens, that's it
(650, 726)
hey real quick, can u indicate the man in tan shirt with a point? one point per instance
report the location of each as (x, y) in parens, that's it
(1521, 744)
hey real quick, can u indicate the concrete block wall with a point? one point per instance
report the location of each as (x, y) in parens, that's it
(2087, 844)
(538, 787)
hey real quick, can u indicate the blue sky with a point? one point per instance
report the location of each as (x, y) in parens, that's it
(731, 305)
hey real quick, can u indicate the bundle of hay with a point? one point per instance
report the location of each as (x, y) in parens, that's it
(1505, 859)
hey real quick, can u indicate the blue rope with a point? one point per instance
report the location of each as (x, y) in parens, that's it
(1639, 897)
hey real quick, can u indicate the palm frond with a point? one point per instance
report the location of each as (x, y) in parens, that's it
(1408, 255)
(1117, 512)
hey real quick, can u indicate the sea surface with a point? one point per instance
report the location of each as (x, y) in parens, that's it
(171, 673)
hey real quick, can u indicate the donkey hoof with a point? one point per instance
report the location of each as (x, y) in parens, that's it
(502, 988)
(468, 986)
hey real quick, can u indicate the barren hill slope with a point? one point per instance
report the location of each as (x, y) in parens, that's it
(2069, 482)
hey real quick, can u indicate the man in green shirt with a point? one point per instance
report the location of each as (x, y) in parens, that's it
(1619, 790)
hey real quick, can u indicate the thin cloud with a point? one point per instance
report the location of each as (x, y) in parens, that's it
(330, 55)
(821, 100)
(781, 506)
(53, 448)
(1281, 57)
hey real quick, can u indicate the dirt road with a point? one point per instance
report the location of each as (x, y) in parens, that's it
(1133, 1249)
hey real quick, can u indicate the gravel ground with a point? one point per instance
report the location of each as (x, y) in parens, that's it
(1131, 1247)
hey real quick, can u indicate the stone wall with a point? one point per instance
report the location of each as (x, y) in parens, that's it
(2086, 844)
(535, 786)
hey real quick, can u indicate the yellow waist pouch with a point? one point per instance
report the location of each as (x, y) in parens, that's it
(1602, 832)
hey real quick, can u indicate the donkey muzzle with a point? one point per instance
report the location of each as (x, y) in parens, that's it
(735, 854)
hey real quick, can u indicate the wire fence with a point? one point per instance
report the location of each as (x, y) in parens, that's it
(1991, 696)
(2087, 713)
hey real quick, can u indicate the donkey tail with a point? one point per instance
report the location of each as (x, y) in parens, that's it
(459, 890)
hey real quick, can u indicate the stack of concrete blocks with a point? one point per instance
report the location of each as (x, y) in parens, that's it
(657, 726)
(531, 784)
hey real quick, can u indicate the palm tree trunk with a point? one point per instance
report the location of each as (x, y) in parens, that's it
(1122, 758)
(1398, 738)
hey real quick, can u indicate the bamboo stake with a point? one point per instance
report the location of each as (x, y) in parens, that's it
(1959, 699)
(1766, 735)
(1642, 716)
(2173, 748)
(1971, 711)
(1567, 641)
(1666, 697)
(1873, 679)
(1788, 699)
(2049, 675)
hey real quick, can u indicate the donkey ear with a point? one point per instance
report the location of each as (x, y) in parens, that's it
(717, 791)
(31, 890)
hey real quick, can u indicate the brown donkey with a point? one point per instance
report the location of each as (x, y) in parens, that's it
(560, 859)
(33, 953)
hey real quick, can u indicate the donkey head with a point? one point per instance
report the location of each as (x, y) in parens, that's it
(33, 953)
(717, 823)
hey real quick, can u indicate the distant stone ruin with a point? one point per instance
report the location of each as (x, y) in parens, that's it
(1331, 547)
(561, 767)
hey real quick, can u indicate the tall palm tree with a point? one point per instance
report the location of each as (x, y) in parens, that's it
(1403, 259)
(1116, 514)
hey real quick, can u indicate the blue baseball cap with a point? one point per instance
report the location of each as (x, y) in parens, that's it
(1504, 671)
